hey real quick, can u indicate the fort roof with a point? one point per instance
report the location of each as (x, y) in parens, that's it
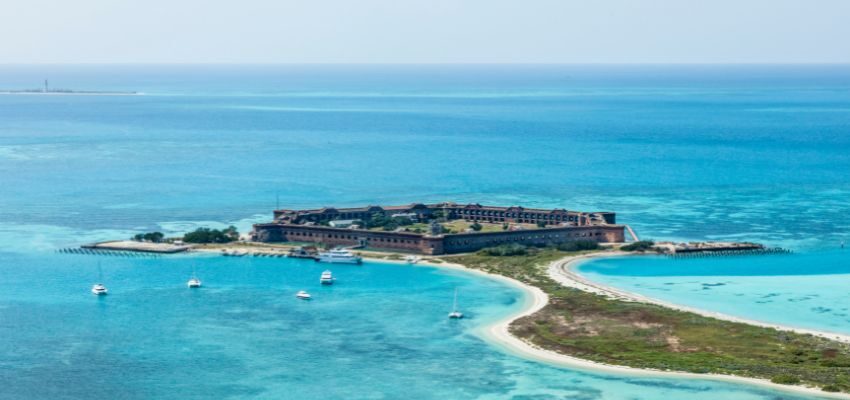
(421, 206)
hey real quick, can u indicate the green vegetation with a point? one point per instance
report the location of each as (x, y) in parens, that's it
(785, 379)
(641, 335)
(154, 237)
(504, 250)
(578, 245)
(207, 235)
(642, 245)
(460, 226)
(383, 222)
(476, 227)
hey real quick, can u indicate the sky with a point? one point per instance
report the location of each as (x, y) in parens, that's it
(426, 31)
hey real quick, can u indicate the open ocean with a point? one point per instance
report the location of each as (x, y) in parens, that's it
(756, 153)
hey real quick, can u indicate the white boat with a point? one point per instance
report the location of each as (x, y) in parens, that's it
(412, 259)
(99, 290)
(339, 256)
(193, 282)
(327, 278)
(303, 295)
(455, 314)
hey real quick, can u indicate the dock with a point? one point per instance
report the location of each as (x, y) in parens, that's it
(142, 247)
(708, 249)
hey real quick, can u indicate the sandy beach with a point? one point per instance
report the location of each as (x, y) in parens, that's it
(499, 335)
(564, 272)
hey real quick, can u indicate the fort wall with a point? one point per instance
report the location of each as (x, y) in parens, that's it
(433, 245)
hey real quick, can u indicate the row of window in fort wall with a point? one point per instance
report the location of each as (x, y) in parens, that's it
(411, 242)
(408, 242)
(472, 242)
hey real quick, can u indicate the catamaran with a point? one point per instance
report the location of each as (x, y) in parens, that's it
(303, 295)
(339, 256)
(193, 282)
(455, 314)
(326, 278)
(98, 289)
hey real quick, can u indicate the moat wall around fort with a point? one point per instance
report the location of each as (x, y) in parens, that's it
(299, 226)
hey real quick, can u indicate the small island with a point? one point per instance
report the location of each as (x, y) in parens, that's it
(572, 321)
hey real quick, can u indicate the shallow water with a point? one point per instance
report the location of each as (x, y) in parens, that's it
(380, 332)
(744, 153)
(809, 290)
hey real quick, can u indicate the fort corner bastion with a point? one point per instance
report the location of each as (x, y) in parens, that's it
(433, 229)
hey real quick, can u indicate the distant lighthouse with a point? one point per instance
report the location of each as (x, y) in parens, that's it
(46, 88)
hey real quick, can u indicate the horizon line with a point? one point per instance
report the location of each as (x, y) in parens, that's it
(843, 63)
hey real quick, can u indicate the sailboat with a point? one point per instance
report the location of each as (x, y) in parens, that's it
(99, 289)
(455, 314)
(194, 282)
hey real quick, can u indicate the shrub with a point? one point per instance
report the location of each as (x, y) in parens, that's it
(504, 250)
(831, 388)
(403, 221)
(578, 245)
(642, 245)
(154, 237)
(207, 235)
(476, 227)
(785, 379)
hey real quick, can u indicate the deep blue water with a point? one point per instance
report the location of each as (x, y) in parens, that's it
(700, 152)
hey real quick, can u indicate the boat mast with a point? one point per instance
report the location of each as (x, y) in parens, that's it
(454, 304)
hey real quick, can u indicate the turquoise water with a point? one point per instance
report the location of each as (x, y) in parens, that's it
(810, 290)
(379, 332)
(745, 153)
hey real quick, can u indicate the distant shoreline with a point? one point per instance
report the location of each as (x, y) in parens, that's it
(69, 93)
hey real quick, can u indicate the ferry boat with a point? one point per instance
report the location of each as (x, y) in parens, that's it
(455, 314)
(327, 278)
(99, 290)
(339, 256)
(303, 295)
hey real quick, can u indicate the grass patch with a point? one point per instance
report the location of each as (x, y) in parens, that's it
(641, 335)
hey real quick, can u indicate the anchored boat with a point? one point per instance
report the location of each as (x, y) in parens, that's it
(326, 278)
(455, 314)
(303, 295)
(193, 282)
(99, 290)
